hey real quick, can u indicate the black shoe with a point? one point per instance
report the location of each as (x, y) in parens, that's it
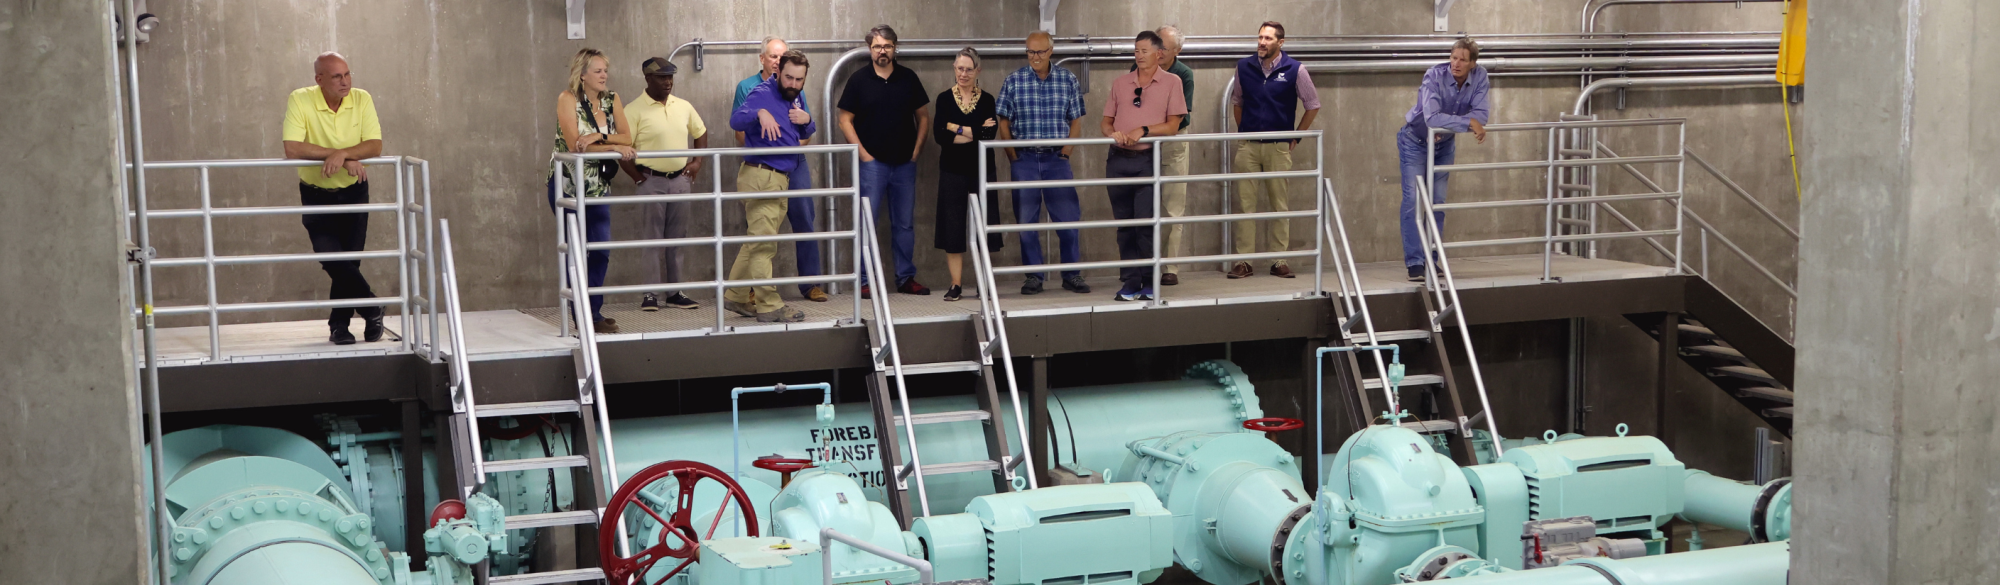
(1075, 284)
(373, 332)
(1032, 286)
(912, 287)
(954, 293)
(650, 303)
(341, 336)
(681, 301)
(1417, 273)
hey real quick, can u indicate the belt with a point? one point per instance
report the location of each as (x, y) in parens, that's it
(657, 173)
(765, 167)
(1129, 153)
(1042, 149)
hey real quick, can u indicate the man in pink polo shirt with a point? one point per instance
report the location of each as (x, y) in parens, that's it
(1146, 102)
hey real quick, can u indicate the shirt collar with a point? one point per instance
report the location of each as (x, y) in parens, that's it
(319, 100)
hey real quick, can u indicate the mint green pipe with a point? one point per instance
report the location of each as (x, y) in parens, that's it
(1754, 564)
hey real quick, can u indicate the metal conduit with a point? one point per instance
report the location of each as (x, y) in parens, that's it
(1583, 99)
(1590, 12)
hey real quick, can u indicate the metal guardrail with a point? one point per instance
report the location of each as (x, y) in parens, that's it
(1347, 274)
(1318, 212)
(1552, 163)
(716, 240)
(414, 260)
(828, 536)
(1708, 230)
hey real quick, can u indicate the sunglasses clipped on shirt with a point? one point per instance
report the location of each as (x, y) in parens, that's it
(1138, 93)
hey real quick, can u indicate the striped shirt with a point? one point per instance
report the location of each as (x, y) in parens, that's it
(1037, 108)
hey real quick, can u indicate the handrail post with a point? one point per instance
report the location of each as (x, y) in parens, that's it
(1548, 216)
(854, 211)
(1158, 291)
(1319, 215)
(402, 257)
(721, 272)
(208, 266)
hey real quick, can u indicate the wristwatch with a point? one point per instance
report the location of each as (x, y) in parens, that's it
(1145, 131)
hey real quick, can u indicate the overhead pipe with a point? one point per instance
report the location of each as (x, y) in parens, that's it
(1583, 99)
(1590, 12)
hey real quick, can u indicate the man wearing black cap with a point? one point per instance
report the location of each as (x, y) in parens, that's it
(661, 121)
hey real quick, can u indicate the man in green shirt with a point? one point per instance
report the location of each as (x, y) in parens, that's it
(1174, 160)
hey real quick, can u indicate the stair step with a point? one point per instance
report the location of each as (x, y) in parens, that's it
(946, 417)
(1781, 412)
(549, 577)
(1715, 350)
(522, 521)
(1698, 330)
(937, 368)
(960, 467)
(1748, 373)
(537, 463)
(1398, 335)
(528, 408)
(1410, 380)
(1431, 426)
(1771, 394)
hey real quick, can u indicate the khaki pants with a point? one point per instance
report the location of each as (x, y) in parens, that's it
(753, 261)
(1173, 198)
(1257, 157)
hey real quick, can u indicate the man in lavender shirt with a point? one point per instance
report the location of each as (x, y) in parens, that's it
(771, 116)
(1452, 97)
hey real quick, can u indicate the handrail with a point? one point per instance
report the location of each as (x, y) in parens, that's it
(1706, 230)
(1345, 268)
(1590, 11)
(870, 258)
(996, 331)
(462, 400)
(411, 179)
(828, 535)
(1745, 195)
(1158, 220)
(567, 203)
(1439, 281)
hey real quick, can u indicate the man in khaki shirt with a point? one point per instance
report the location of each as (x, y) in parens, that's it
(335, 123)
(662, 121)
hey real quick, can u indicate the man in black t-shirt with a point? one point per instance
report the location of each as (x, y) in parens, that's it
(883, 109)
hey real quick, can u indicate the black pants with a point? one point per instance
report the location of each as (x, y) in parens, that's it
(340, 232)
(1132, 202)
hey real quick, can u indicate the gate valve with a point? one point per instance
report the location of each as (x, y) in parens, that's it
(1271, 426)
(784, 466)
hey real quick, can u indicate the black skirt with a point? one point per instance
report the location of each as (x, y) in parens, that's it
(953, 219)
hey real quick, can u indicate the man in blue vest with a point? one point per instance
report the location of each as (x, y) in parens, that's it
(1453, 97)
(1270, 88)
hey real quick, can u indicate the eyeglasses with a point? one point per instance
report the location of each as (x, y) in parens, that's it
(1041, 53)
(1138, 93)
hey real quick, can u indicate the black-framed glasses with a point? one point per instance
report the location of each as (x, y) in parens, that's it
(1138, 93)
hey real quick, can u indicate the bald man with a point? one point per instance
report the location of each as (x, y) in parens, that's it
(333, 122)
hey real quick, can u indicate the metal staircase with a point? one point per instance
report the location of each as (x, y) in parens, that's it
(1355, 326)
(466, 414)
(892, 410)
(1758, 372)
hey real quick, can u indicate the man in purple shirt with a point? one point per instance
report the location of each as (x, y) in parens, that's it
(771, 116)
(1452, 97)
(1270, 89)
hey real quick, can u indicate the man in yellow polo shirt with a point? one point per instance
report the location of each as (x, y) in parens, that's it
(662, 121)
(335, 123)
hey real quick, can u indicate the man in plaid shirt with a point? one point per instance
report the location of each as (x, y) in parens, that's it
(1041, 102)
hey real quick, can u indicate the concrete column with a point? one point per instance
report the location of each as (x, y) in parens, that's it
(1898, 337)
(70, 490)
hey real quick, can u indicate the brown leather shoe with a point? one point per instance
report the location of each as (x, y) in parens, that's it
(816, 294)
(605, 327)
(1242, 270)
(1170, 279)
(1281, 271)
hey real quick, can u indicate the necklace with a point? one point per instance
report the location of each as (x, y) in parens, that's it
(959, 96)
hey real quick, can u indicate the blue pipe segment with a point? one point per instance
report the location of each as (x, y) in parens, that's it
(824, 415)
(1391, 380)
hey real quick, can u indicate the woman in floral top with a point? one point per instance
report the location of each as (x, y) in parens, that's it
(589, 117)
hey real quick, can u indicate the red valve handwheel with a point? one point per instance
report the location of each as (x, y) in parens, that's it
(676, 523)
(783, 465)
(447, 510)
(1273, 424)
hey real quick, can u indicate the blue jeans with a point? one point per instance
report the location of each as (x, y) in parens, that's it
(596, 228)
(1410, 151)
(1061, 202)
(801, 213)
(892, 191)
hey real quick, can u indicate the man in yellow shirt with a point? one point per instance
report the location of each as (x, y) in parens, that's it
(334, 123)
(662, 121)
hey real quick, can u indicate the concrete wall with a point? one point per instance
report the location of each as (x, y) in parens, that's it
(1897, 336)
(72, 466)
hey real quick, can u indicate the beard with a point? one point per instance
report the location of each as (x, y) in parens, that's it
(788, 93)
(885, 61)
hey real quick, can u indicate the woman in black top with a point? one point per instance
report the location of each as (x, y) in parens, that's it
(964, 117)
